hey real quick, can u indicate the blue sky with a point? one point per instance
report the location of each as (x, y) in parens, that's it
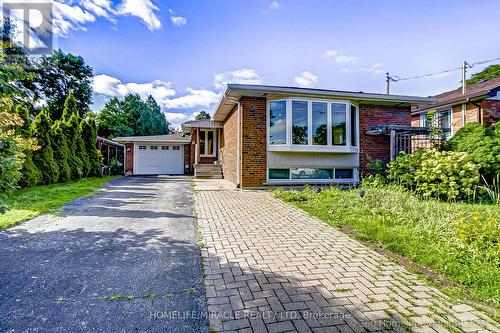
(183, 52)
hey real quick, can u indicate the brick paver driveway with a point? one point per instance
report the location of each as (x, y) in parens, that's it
(271, 267)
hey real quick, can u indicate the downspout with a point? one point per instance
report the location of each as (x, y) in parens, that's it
(238, 146)
(463, 114)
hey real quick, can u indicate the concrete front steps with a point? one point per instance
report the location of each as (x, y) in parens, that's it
(208, 171)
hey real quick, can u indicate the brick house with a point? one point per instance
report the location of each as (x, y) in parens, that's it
(269, 135)
(454, 109)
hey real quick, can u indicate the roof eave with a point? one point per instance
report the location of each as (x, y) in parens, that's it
(234, 92)
(453, 102)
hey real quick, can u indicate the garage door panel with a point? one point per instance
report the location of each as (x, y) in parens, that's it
(158, 161)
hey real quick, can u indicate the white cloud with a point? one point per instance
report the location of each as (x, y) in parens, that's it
(194, 98)
(340, 58)
(242, 75)
(274, 5)
(177, 20)
(110, 86)
(306, 79)
(177, 118)
(74, 15)
(144, 9)
(67, 17)
(162, 91)
(376, 68)
(106, 86)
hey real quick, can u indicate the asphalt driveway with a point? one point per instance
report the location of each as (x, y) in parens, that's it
(73, 271)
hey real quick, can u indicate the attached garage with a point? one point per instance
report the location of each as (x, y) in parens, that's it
(156, 155)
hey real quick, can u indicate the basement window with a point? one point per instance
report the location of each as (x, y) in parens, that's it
(279, 173)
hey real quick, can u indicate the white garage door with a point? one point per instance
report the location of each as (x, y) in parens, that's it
(152, 159)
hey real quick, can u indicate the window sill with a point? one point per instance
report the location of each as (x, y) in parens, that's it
(314, 149)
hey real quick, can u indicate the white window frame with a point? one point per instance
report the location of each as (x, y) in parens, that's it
(423, 120)
(214, 142)
(287, 122)
(310, 147)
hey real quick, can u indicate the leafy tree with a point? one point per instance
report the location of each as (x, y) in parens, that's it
(132, 116)
(44, 157)
(61, 151)
(489, 73)
(17, 74)
(161, 125)
(89, 135)
(202, 115)
(61, 73)
(112, 121)
(31, 176)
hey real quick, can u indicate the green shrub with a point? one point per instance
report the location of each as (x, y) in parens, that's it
(70, 128)
(402, 169)
(447, 175)
(115, 167)
(482, 144)
(44, 157)
(11, 152)
(31, 176)
(88, 129)
(61, 151)
(479, 235)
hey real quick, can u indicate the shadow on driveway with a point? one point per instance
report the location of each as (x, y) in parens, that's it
(57, 273)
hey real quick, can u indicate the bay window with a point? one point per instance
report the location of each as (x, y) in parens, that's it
(339, 121)
(319, 123)
(354, 126)
(277, 123)
(308, 124)
(299, 122)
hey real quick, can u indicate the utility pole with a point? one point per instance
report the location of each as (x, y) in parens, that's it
(464, 76)
(388, 80)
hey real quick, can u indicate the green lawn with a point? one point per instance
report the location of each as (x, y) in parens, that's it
(30, 202)
(458, 240)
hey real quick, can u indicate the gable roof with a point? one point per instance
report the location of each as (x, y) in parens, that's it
(234, 92)
(167, 138)
(480, 90)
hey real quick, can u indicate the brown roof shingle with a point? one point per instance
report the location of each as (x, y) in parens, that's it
(455, 96)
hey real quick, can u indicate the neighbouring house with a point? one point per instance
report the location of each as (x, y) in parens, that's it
(268, 135)
(480, 103)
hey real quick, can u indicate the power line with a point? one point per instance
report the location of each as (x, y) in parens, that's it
(396, 78)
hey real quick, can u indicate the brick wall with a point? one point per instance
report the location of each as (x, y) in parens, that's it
(491, 112)
(254, 145)
(378, 147)
(129, 163)
(228, 146)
